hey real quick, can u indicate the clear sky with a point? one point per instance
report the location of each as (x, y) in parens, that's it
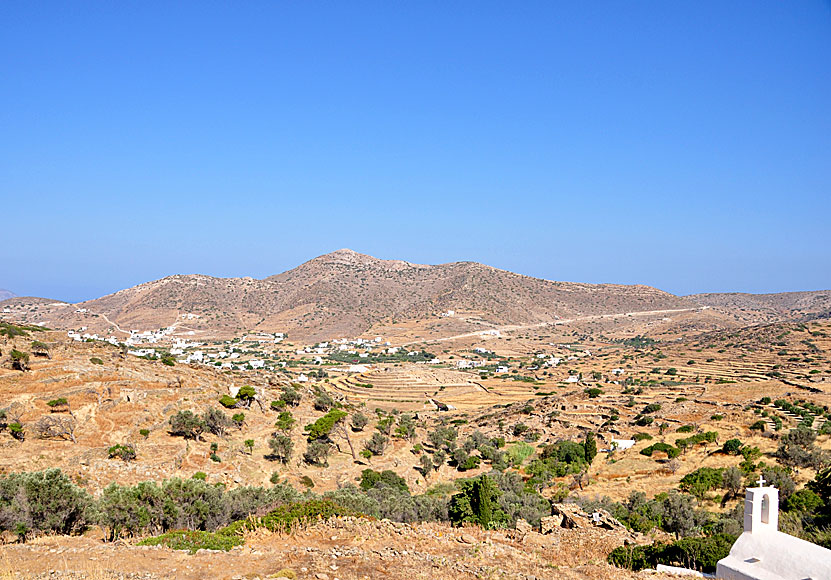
(685, 145)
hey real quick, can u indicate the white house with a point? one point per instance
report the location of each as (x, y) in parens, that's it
(762, 552)
(622, 444)
(573, 379)
(302, 379)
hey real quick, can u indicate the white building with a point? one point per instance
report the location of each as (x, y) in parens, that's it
(762, 552)
(621, 444)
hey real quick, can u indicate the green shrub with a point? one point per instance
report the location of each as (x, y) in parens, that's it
(124, 452)
(700, 481)
(697, 439)
(43, 502)
(685, 429)
(228, 401)
(701, 554)
(290, 396)
(642, 437)
(16, 430)
(20, 360)
(516, 453)
(144, 433)
(359, 421)
(377, 444)
(371, 478)
(186, 424)
(96, 361)
(57, 402)
(643, 421)
(12, 330)
(192, 541)
(287, 517)
(732, 447)
(672, 452)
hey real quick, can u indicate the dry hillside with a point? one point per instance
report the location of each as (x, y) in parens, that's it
(344, 294)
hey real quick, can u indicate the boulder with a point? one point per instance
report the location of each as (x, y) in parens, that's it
(522, 526)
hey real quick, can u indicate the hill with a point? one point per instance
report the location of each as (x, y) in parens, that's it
(346, 294)
(6, 294)
(770, 307)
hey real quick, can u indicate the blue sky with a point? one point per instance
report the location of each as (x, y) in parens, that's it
(682, 145)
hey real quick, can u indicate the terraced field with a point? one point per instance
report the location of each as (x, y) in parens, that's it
(415, 387)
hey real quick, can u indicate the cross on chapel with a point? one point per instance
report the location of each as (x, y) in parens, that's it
(761, 481)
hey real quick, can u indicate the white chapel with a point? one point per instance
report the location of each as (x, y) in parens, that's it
(762, 552)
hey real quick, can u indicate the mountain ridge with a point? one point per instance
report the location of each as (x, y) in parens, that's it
(346, 293)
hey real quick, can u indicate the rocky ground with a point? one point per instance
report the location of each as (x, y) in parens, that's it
(342, 548)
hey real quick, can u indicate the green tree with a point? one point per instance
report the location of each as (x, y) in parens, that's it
(20, 360)
(477, 502)
(285, 421)
(187, 424)
(323, 426)
(281, 447)
(215, 421)
(590, 446)
(290, 396)
(246, 394)
(359, 421)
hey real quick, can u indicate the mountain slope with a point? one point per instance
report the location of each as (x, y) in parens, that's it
(6, 294)
(770, 307)
(345, 293)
